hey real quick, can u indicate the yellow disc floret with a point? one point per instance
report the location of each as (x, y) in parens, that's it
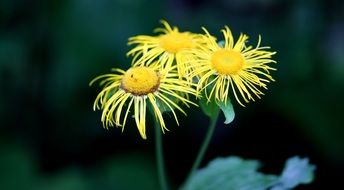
(140, 81)
(175, 41)
(227, 62)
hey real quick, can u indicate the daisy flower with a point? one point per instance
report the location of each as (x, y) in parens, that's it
(231, 66)
(138, 88)
(169, 46)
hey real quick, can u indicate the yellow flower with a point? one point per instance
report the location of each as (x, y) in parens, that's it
(167, 47)
(137, 88)
(233, 65)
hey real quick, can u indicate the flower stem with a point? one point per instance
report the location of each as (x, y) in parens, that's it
(160, 156)
(205, 144)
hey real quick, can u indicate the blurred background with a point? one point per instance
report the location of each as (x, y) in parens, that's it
(50, 138)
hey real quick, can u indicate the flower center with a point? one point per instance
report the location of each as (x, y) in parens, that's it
(176, 41)
(227, 61)
(140, 81)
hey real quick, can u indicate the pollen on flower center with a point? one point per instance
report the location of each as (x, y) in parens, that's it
(176, 41)
(227, 61)
(140, 81)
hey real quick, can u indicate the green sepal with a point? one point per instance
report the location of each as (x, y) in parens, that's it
(221, 43)
(210, 108)
(162, 106)
(228, 110)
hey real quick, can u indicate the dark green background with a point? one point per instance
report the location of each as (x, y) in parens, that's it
(49, 51)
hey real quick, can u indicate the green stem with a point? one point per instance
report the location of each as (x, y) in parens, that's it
(205, 145)
(160, 156)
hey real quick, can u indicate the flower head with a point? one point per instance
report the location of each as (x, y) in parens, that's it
(137, 88)
(169, 46)
(233, 65)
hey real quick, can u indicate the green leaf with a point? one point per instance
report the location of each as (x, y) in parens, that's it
(230, 173)
(209, 108)
(296, 171)
(227, 110)
(235, 173)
